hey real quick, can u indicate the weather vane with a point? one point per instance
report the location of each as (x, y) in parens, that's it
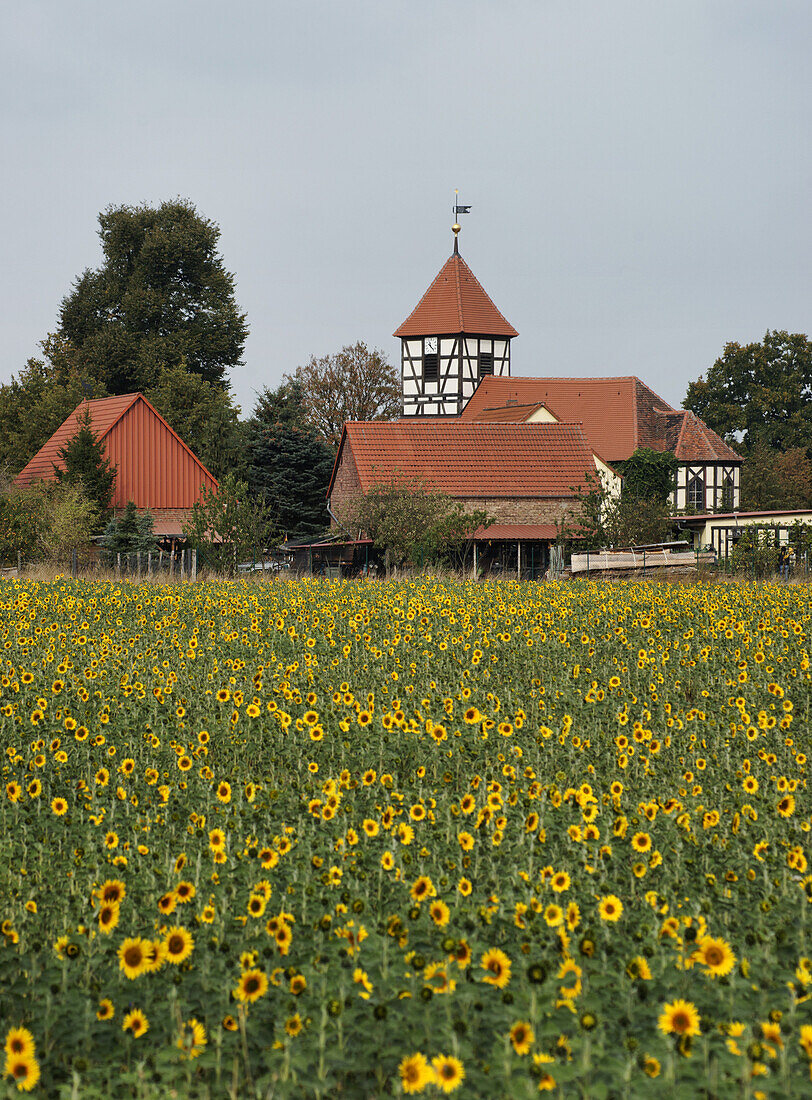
(455, 228)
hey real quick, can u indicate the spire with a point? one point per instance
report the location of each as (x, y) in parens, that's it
(455, 302)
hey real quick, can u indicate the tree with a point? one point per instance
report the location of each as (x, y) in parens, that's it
(226, 526)
(45, 520)
(289, 464)
(763, 390)
(602, 520)
(162, 295)
(773, 480)
(37, 401)
(412, 523)
(649, 474)
(86, 465)
(130, 533)
(353, 384)
(204, 417)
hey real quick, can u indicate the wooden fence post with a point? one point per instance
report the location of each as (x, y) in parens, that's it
(194, 565)
(149, 564)
(118, 564)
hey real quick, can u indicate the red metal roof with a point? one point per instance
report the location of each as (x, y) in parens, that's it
(618, 415)
(469, 459)
(455, 302)
(155, 468)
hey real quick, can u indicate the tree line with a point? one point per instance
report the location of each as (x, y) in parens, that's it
(160, 316)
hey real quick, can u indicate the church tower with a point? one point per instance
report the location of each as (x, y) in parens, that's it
(453, 338)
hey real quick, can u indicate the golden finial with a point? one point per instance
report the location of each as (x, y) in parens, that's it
(455, 228)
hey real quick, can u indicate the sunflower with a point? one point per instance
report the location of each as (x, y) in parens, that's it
(59, 807)
(136, 1022)
(256, 905)
(167, 903)
(223, 792)
(641, 842)
(498, 967)
(20, 1043)
(252, 985)
(112, 892)
(610, 907)
(294, 1024)
(716, 955)
(178, 945)
(298, 984)
(560, 882)
(679, 1018)
(192, 1038)
(553, 915)
(132, 956)
(522, 1037)
(106, 1009)
(638, 968)
(415, 1073)
(185, 892)
(651, 1066)
(108, 918)
(439, 913)
(786, 807)
(23, 1071)
(448, 1072)
(422, 888)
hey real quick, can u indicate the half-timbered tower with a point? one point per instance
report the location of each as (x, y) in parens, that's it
(452, 339)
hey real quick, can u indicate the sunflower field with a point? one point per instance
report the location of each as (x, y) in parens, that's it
(361, 839)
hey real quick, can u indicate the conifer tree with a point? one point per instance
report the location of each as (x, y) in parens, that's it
(84, 463)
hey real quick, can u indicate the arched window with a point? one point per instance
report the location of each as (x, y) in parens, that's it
(728, 491)
(696, 492)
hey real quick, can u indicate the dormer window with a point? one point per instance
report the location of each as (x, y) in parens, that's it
(431, 360)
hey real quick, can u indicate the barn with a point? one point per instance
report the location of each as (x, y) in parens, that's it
(154, 467)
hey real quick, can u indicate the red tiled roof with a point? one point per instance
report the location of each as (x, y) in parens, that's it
(618, 414)
(517, 532)
(509, 414)
(471, 460)
(455, 302)
(696, 441)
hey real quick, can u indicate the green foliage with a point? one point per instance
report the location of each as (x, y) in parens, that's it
(289, 465)
(602, 520)
(356, 383)
(227, 526)
(763, 390)
(130, 533)
(413, 523)
(46, 520)
(86, 465)
(204, 417)
(649, 475)
(776, 479)
(37, 401)
(162, 296)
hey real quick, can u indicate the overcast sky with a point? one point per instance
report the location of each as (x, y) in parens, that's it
(639, 172)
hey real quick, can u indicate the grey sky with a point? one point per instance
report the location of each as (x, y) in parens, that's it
(639, 172)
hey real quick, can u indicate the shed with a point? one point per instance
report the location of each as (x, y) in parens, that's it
(154, 467)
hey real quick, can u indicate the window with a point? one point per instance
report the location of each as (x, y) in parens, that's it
(696, 492)
(431, 360)
(728, 494)
(485, 363)
(431, 366)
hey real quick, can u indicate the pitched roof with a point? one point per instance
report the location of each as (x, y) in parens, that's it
(155, 468)
(470, 460)
(508, 414)
(618, 414)
(104, 413)
(455, 302)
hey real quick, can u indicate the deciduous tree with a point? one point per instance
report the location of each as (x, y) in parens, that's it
(227, 526)
(355, 383)
(162, 295)
(776, 479)
(413, 523)
(760, 391)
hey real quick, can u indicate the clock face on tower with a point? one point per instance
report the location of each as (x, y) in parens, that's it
(431, 345)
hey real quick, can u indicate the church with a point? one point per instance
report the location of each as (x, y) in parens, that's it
(519, 448)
